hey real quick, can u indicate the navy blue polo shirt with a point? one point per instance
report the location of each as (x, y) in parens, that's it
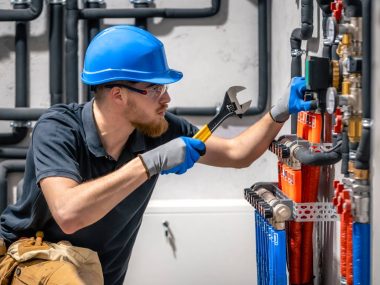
(65, 143)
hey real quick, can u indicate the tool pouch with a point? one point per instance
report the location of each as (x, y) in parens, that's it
(32, 261)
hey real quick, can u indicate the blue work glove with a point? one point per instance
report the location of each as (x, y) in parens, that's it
(292, 102)
(176, 156)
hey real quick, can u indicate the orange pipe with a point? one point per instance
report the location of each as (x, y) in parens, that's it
(294, 244)
(310, 182)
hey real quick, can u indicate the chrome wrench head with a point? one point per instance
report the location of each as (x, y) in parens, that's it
(232, 94)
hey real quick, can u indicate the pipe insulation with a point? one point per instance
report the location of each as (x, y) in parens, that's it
(56, 53)
(307, 157)
(27, 14)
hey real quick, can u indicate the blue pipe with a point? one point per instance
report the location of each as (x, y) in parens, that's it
(280, 257)
(361, 253)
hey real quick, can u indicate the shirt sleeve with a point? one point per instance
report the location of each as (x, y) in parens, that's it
(55, 150)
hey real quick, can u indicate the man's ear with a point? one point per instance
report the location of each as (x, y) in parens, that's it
(117, 95)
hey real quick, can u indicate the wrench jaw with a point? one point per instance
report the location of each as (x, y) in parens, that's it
(232, 94)
(230, 106)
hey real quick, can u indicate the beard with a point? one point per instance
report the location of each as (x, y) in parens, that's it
(152, 130)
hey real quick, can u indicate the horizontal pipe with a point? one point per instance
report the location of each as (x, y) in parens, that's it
(13, 152)
(6, 167)
(21, 114)
(28, 14)
(305, 156)
(97, 13)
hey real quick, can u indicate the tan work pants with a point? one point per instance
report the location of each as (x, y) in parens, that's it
(28, 262)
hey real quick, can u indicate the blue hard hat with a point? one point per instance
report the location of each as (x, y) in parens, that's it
(127, 53)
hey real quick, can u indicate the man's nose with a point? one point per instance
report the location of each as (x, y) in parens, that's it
(165, 98)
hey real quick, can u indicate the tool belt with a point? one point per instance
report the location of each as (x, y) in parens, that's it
(35, 262)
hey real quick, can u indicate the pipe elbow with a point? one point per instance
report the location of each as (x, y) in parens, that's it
(307, 157)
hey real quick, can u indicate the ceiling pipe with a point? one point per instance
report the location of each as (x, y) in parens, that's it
(151, 12)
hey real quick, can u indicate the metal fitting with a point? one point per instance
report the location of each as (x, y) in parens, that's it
(16, 2)
(297, 52)
(21, 124)
(361, 201)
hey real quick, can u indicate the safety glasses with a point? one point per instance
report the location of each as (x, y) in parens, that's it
(153, 91)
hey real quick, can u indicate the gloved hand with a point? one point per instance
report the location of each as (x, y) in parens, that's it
(176, 156)
(291, 102)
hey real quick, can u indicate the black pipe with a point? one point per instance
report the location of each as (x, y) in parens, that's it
(264, 59)
(295, 67)
(296, 38)
(56, 53)
(92, 29)
(22, 62)
(367, 58)
(324, 5)
(141, 22)
(21, 114)
(306, 157)
(13, 152)
(345, 152)
(151, 12)
(6, 167)
(71, 46)
(264, 74)
(352, 8)
(363, 151)
(21, 78)
(28, 14)
(307, 7)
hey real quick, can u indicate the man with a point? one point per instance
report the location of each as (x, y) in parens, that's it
(91, 168)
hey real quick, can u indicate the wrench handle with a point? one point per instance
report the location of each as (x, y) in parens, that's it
(203, 134)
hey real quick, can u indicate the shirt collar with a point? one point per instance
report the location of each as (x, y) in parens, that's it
(135, 144)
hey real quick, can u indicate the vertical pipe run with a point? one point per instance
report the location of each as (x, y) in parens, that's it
(71, 47)
(22, 60)
(361, 254)
(92, 29)
(56, 53)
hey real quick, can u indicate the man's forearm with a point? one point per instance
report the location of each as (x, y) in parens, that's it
(253, 142)
(76, 206)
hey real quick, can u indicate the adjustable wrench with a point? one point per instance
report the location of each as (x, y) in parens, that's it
(230, 106)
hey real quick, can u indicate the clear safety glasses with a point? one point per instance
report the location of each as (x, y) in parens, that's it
(153, 91)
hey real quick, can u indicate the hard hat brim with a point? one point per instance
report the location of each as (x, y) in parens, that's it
(97, 78)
